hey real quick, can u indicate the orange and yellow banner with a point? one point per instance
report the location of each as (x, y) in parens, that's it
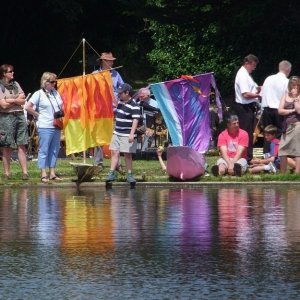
(88, 120)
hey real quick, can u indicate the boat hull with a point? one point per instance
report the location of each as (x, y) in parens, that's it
(184, 163)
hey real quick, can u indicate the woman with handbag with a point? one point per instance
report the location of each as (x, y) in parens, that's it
(46, 106)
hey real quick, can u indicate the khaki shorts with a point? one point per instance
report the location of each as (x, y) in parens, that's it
(241, 161)
(14, 128)
(120, 143)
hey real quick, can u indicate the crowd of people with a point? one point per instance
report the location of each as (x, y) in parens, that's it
(46, 107)
(278, 98)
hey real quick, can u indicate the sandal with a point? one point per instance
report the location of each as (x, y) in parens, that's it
(56, 178)
(45, 179)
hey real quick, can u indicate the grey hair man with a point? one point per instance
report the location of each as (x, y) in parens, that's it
(232, 143)
(274, 87)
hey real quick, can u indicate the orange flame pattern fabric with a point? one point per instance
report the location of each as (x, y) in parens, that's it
(88, 120)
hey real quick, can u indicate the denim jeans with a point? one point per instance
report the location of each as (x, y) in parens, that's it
(49, 144)
(98, 155)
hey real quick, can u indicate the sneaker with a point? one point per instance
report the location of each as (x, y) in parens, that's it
(215, 170)
(130, 178)
(237, 168)
(111, 176)
(272, 168)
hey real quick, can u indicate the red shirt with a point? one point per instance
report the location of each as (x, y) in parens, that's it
(232, 142)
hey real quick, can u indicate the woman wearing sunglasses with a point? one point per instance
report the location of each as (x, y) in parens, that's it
(47, 107)
(13, 125)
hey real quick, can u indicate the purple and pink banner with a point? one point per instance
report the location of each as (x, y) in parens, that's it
(184, 104)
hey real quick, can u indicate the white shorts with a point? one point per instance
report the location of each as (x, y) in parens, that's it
(120, 143)
(241, 161)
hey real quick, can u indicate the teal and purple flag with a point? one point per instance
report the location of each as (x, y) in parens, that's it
(184, 104)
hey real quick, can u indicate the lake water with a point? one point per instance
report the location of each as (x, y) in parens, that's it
(153, 243)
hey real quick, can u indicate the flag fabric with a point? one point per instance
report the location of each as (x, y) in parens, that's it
(88, 120)
(184, 104)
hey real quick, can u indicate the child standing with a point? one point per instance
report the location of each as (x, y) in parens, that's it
(124, 136)
(271, 160)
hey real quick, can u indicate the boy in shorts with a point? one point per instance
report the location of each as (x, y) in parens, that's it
(124, 135)
(271, 161)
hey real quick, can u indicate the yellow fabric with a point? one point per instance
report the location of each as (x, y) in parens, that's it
(88, 120)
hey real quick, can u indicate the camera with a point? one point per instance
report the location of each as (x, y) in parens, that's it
(58, 114)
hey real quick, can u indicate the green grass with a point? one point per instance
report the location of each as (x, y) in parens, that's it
(144, 171)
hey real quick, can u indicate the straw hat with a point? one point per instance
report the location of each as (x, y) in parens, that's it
(107, 56)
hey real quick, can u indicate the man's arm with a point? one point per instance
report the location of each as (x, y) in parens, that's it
(239, 153)
(250, 96)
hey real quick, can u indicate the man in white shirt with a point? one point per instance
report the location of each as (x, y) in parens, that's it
(274, 87)
(246, 98)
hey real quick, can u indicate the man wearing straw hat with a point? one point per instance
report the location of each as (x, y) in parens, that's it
(106, 63)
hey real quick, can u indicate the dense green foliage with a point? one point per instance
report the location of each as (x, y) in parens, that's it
(154, 40)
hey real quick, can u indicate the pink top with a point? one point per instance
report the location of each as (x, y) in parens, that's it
(233, 141)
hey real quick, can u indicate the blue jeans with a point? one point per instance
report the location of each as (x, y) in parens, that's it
(49, 144)
(98, 155)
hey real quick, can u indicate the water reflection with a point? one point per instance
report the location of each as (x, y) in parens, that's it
(155, 243)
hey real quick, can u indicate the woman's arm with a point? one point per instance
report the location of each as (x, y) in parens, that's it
(29, 107)
(281, 110)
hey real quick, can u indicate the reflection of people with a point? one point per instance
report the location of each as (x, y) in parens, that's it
(233, 143)
(43, 104)
(274, 87)
(106, 63)
(289, 108)
(13, 125)
(123, 140)
(246, 97)
(271, 161)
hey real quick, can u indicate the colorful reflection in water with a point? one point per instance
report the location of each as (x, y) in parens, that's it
(223, 242)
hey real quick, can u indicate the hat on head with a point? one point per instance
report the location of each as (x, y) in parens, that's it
(125, 87)
(107, 56)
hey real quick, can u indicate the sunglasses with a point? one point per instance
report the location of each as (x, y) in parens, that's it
(9, 71)
(52, 81)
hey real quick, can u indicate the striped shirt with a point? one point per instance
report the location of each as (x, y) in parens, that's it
(125, 114)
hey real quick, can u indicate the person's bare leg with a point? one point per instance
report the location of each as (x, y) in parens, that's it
(22, 159)
(128, 162)
(297, 168)
(283, 164)
(6, 157)
(222, 169)
(114, 159)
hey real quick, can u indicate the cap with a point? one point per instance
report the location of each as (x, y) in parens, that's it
(125, 87)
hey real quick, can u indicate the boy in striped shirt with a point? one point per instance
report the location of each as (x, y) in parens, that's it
(124, 135)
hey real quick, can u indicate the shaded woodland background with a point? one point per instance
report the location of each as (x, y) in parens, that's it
(154, 40)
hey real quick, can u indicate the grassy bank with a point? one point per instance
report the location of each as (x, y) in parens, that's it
(144, 171)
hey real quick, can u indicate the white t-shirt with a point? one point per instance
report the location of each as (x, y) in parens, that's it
(274, 87)
(243, 84)
(42, 104)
